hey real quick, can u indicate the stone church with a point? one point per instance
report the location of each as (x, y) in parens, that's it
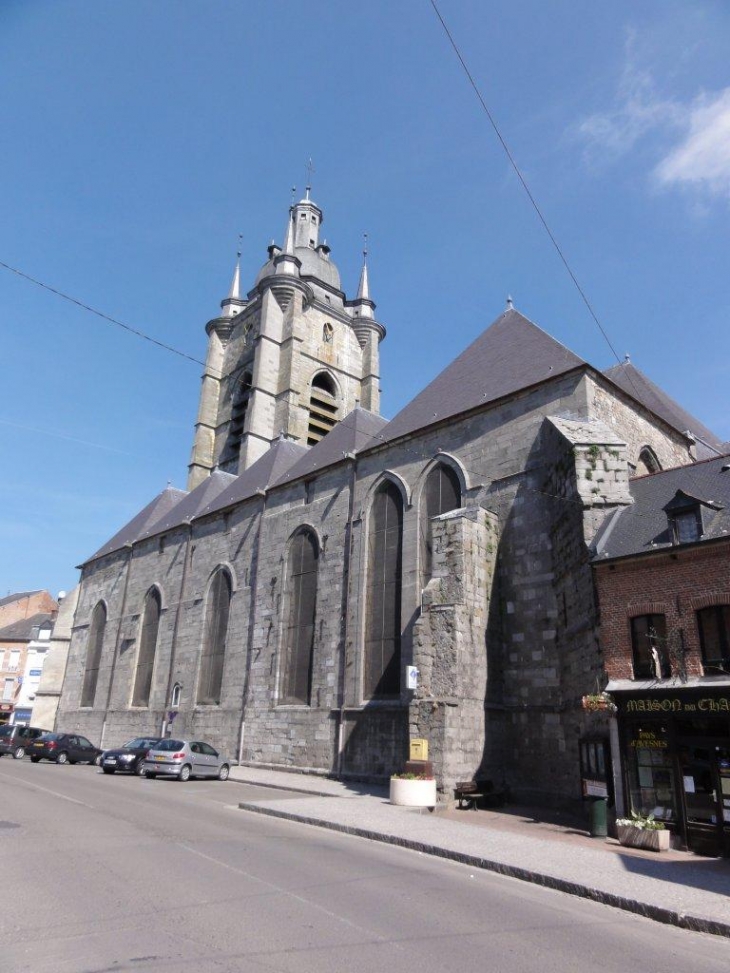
(320, 550)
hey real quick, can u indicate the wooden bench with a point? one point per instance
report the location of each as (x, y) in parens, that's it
(469, 792)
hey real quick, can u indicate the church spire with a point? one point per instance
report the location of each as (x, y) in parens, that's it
(232, 304)
(363, 306)
(286, 262)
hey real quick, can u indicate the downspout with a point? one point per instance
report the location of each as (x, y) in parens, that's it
(115, 654)
(176, 626)
(252, 584)
(345, 617)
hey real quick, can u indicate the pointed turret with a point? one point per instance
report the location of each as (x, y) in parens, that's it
(232, 304)
(286, 262)
(362, 306)
(369, 335)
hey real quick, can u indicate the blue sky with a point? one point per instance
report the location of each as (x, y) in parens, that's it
(139, 139)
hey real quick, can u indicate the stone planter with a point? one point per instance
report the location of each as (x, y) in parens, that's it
(413, 793)
(649, 839)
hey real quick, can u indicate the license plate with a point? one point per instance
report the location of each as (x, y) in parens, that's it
(159, 758)
(38, 744)
(110, 760)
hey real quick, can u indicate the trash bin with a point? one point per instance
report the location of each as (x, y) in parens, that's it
(598, 814)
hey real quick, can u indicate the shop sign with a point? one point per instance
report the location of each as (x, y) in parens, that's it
(648, 740)
(595, 788)
(705, 704)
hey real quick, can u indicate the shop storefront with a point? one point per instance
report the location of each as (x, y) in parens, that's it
(6, 712)
(675, 762)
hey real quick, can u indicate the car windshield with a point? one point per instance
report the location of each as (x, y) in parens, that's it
(169, 745)
(141, 743)
(6, 730)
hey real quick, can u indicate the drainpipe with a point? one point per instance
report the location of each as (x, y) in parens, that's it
(115, 654)
(345, 616)
(176, 626)
(252, 585)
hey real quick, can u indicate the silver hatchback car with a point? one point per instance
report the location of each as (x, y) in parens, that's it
(185, 759)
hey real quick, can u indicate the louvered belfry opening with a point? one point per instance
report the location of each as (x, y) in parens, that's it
(147, 648)
(381, 670)
(302, 602)
(93, 654)
(239, 409)
(441, 493)
(322, 407)
(214, 639)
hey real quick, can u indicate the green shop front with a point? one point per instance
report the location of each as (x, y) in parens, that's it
(675, 761)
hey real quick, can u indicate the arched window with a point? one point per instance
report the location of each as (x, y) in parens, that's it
(322, 407)
(648, 462)
(381, 673)
(240, 398)
(147, 647)
(441, 493)
(301, 600)
(93, 654)
(214, 639)
(327, 333)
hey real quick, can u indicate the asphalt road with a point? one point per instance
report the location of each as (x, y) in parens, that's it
(106, 874)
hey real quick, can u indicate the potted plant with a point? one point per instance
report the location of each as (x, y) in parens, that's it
(598, 701)
(642, 831)
(413, 790)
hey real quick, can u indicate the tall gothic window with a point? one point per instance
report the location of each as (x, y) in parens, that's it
(93, 654)
(214, 639)
(381, 676)
(239, 408)
(147, 647)
(441, 493)
(301, 598)
(322, 407)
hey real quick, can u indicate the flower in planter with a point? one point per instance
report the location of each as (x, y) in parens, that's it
(411, 777)
(599, 701)
(645, 822)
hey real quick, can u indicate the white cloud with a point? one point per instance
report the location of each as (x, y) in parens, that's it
(702, 158)
(691, 139)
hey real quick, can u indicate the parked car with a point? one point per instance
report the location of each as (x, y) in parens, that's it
(64, 748)
(185, 759)
(130, 757)
(17, 739)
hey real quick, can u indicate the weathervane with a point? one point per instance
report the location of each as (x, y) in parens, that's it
(309, 168)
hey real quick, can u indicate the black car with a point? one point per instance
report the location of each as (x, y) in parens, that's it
(17, 739)
(64, 748)
(130, 757)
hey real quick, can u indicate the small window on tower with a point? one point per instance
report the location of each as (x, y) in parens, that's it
(303, 216)
(314, 220)
(327, 333)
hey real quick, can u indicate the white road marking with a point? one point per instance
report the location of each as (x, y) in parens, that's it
(47, 790)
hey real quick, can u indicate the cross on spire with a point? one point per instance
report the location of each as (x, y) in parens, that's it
(309, 168)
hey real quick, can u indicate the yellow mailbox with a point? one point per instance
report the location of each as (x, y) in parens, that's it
(419, 750)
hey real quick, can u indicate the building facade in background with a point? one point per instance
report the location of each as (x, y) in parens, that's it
(662, 568)
(321, 549)
(28, 619)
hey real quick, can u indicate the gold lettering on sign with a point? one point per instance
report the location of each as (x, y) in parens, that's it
(708, 704)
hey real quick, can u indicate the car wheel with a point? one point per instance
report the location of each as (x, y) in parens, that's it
(62, 758)
(108, 770)
(139, 769)
(184, 773)
(224, 772)
(151, 776)
(18, 753)
(34, 760)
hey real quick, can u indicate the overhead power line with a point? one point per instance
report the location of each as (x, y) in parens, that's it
(100, 314)
(523, 181)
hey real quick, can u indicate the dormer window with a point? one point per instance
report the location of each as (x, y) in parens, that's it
(689, 517)
(687, 527)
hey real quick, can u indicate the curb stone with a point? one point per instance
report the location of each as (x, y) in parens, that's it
(670, 917)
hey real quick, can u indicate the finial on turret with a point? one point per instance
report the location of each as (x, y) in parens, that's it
(309, 170)
(627, 359)
(510, 304)
(235, 291)
(293, 194)
(363, 291)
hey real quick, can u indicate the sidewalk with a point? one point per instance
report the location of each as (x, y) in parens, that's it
(675, 887)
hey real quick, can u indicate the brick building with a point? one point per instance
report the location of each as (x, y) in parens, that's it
(320, 549)
(662, 569)
(27, 619)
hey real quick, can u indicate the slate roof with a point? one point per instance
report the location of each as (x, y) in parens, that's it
(358, 430)
(511, 355)
(639, 387)
(192, 503)
(281, 455)
(155, 510)
(22, 630)
(643, 526)
(9, 599)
